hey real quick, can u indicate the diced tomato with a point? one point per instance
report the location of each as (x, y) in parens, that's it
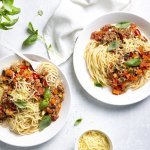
(41, 90)
(24, 67)
(116, 92)
(137, 32)
(133, 26)
(45, 83)
(35, 75)
(36, 94)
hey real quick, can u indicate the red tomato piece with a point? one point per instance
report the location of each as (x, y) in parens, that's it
(35, 75)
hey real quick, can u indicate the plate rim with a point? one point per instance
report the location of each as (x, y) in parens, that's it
(68, 113)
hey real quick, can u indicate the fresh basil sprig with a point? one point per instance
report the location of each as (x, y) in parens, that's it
(45, 122)
(6, 11)
(32, 38)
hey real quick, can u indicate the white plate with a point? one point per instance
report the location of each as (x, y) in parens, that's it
(104, 94)
(49, 132)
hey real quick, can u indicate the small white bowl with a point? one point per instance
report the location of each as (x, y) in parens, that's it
(109, 141)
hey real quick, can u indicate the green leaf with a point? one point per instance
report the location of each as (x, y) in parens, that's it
(8, 4)
(13, 11)
(6, 17)
(40, 12)
(113, 45)
(9, 23)
(78, 121)
(0, 19)
(45, 122)
(123, 25)
(20, 103)
(98, 84)
(133, 62)
(43, 104)
(47, 93)
(30, 28)
(4, 28)
(30, 40)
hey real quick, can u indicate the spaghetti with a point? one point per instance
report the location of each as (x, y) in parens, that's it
(118, 56)
(30, 100)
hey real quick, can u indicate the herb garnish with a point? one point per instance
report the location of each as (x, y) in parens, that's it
(113, 45)
(33, 37)
(20, 103)
(133, 62)
(45, 122)
(78, 121)
(123, 25)
(40, 12)
(98, 84)
(7, 9)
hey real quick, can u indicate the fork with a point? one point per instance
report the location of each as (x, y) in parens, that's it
(34, 64)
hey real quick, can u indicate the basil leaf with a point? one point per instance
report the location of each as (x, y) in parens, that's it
(123, 25)
(47, 93)
(40, 12)
(9, 23)
(45, 122)
(30, 40)
(30, 28)
(43, 104)
(6, 17)
(78, 121)
(4, 28)
(113, 45)
(14, 11)
(133, 62)
(8, 4)
(20, 103)
(98, 84)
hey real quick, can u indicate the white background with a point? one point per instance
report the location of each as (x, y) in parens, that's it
(127, 126)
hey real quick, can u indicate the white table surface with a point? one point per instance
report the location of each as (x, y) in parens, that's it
(127, 126)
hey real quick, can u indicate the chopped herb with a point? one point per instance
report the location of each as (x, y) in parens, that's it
(45, 122)
(43, 104)
(133, 62)
(123, 25)
(78, 121)
(20, 103)
(40, 12)
(113, 45)
(98, 84)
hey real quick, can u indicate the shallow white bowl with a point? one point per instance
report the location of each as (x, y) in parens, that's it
(104, 94)
(109, 140)
(49, 132)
